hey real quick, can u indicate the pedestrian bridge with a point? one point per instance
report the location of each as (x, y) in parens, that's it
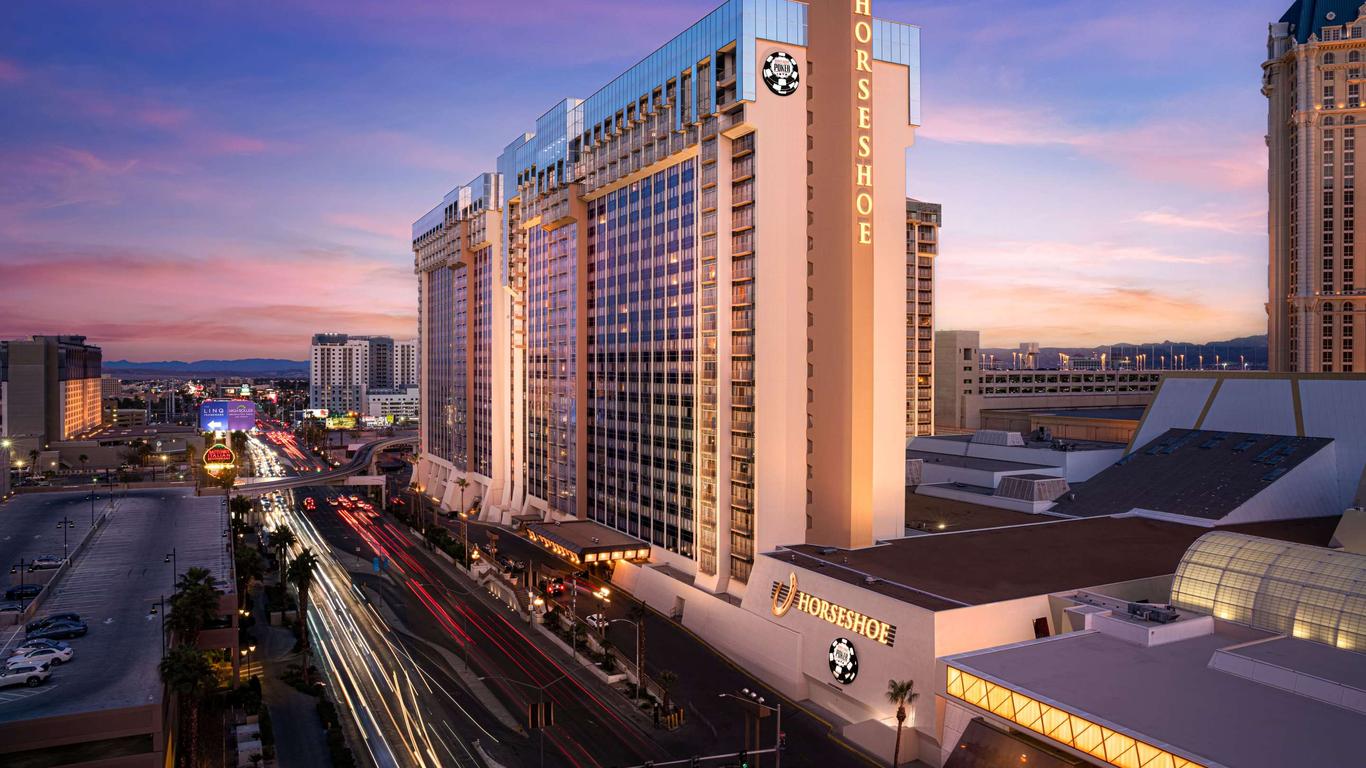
(360, 470)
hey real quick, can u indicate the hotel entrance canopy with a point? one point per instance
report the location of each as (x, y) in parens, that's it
(587, 542)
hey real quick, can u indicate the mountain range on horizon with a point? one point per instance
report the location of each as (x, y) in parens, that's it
(251, 366)
(1253, 349)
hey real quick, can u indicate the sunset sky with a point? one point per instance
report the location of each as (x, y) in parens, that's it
(222, 179)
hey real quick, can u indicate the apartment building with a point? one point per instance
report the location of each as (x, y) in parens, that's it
(343, 369)
(1312, 80)
(677, 309)
(922, 245)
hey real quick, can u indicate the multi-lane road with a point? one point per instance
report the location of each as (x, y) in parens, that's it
(428, 663)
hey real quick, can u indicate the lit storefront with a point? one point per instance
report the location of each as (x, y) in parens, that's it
(587, 543)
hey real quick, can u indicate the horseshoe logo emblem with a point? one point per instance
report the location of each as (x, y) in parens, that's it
(781, 607)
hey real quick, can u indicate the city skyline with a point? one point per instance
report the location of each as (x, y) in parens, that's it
(242, 149)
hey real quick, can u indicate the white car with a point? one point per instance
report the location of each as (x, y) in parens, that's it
(30, 675)
(597, 621)
(39, 656)
(44, 562)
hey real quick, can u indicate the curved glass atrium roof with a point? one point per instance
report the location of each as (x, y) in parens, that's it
(1296, 589)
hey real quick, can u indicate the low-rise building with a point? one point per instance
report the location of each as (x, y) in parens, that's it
(398, 404)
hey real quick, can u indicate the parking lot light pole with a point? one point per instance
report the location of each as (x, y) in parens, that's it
(94, 481)
(65, 524)
(21, 567)
(175, 569)
(162, 612)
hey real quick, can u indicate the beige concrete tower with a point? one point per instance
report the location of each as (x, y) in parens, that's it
(855, 268)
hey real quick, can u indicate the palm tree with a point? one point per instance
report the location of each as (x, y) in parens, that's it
(900, 693)
(249, 567)
(636, 613)
(186, 671)
(463, 483)
(666, 681)
(32, 461)
(301, 575)
(84, 460)
(194, 605)
(280, 541)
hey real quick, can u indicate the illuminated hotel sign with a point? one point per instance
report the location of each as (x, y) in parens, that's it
(863, 120)
(785, 597)
(218, 458)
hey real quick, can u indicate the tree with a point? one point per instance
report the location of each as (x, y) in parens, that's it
(280, 541)
(301, 573)
(900, 693)
(186, 671)
(667, 680)
(84, 460)
(463, 483)
(194, 605)
(240, 506)
(33, 461)
(636, 613)
(250, 567)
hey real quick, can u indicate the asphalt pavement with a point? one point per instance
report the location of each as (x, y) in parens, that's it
(715, 725)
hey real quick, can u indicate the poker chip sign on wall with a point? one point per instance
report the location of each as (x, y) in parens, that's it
(780, 73)
(843, 661)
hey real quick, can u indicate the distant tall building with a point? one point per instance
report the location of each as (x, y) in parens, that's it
(922, 245)
(405, 363)
(343, 369)
(50, 389)
(677, 310)
(1313, 81)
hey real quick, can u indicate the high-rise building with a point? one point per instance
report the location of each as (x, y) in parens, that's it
(677, 308)
(405, 363)
(922, 245)
(342, 370)
(1313, 80)
(50, 389)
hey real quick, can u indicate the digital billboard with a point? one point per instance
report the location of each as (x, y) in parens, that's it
(227, 415)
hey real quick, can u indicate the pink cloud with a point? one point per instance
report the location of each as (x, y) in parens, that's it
(390, 227)
(10, 72)
(160, 298)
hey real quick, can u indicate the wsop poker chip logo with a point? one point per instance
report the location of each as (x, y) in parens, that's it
(843, 661)
(780, 73)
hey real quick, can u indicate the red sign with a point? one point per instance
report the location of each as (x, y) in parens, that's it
(219, 454)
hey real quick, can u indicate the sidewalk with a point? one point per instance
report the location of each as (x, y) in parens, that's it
(299, 737)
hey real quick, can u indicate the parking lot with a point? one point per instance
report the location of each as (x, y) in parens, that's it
(113, 585)
(30, 528)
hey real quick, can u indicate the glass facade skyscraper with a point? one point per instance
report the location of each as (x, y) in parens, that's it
(693, 329)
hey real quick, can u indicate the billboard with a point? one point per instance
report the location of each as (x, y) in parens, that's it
(227, 415)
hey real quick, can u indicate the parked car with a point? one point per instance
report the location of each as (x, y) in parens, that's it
(597, 621)
(23, 592)
(52, 619)
(12, 607)
(31, 675)
(45, 562)
(29, 645)
(39, 656)
(62, 630)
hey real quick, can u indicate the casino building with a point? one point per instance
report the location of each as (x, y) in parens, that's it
(677, 308)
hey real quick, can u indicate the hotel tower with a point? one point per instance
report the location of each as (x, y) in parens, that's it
(1313, 80)
(678, 308)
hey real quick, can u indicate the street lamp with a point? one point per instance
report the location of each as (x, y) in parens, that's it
(640, 661)
(162, 611)
(20, 568)
(754, 699)
(540, 690)
(175, 569)
(65, 524)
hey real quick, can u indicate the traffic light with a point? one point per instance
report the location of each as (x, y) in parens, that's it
(695, 762)
(742, 760)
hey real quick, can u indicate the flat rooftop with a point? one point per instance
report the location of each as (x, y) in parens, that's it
(1042, 445)
(1203, 474)
(1115, 413)
(112, 585)
(586, 537)
(1170, 696)
(129, 433)
(974, 567)
(974, 462)
(939, 515)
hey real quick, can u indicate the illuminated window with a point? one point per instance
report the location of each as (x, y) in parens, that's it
(1060, 725)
